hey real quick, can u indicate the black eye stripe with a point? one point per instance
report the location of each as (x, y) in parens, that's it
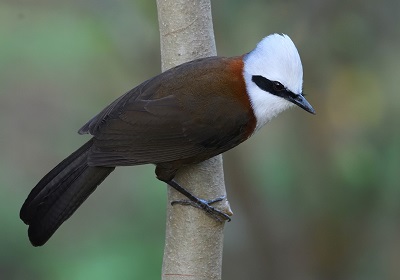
(273, 87)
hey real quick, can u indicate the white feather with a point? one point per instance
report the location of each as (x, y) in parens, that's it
(277, 59)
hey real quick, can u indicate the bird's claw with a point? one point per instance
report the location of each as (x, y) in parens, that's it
(206, 206)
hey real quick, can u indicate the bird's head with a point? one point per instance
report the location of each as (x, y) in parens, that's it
(274, 78)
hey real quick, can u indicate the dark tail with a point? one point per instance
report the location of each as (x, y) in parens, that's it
(56, 197)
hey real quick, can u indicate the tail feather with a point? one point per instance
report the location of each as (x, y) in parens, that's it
(57, 196)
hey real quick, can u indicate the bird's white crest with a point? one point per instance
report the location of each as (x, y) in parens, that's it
(277, 59)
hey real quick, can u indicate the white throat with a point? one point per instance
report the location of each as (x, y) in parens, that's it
(276, 59)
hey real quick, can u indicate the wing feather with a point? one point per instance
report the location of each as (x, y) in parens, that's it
(167, 119)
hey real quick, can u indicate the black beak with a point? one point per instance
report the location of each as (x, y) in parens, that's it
(300, 101)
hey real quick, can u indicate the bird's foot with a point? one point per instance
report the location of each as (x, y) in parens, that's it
(205, 205)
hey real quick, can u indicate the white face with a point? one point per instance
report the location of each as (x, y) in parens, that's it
(275, 58)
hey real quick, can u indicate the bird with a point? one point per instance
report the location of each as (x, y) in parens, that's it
(183, 116)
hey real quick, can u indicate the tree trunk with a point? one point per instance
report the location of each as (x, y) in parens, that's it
(194, 241)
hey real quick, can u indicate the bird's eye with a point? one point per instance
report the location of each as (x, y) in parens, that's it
(278, 86)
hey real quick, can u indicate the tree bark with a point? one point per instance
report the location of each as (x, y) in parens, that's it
(194, 241)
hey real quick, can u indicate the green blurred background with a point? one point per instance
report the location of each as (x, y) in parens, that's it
(314, 197)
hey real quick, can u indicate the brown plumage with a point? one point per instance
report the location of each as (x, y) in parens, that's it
(179, 117)
(182, 116)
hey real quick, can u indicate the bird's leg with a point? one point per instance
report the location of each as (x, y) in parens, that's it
(199, 203)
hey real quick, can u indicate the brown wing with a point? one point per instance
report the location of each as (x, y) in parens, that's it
(183, 114)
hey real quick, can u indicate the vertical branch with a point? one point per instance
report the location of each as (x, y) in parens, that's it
(194, 241)
(186, 31)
